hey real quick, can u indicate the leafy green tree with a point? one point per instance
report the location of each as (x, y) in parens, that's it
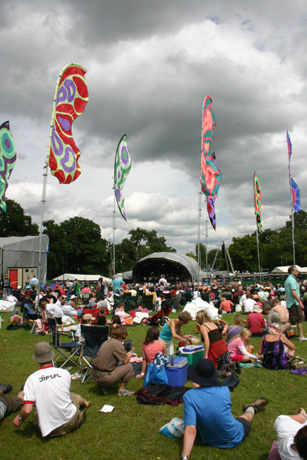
(14, 222)
(76, 246)
(139, 244)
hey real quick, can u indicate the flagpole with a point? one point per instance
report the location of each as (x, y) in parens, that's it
(114, 228)
(43, 201)
(258, 253)
(206, 227)
(291, 197)
(198, 240)
(293, 242)
(45, 175)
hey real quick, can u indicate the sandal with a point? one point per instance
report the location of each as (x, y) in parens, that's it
(258, 404)
(125, 393)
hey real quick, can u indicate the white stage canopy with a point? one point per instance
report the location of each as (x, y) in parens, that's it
(80, 277)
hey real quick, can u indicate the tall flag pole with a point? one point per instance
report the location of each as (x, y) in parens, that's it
(70, 99)
(294, 193)
(7, 160)
(257, 202)
(122, 167)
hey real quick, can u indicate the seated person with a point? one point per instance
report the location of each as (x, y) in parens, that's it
(150, 347)
(239, 348)
(255, 322)
(292, 435)
(48, 389)
(226, 305)
(236, 328)
(275, 346)
(8, 404)
(278, 314)
(102, 319)
(248, 303)
(106, 369)
(124, 317)
(207, 411)
(86, 319)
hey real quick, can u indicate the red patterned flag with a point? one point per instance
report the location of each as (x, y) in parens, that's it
(71, 97)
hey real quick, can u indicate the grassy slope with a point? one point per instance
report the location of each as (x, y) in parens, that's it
(132, 430)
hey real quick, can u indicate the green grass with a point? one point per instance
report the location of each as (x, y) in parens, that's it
(131, 431)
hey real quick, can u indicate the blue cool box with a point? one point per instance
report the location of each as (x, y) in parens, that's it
(177, 373)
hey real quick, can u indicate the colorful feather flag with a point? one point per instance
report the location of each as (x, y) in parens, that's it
(71, 97)
(7, 160)
(122, 166)
(296, 199)
(257, 201)
(294, 189)
(210, 174)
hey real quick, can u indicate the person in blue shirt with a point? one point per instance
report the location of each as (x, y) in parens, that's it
(207, 411)
(293, 302)
(117, 284)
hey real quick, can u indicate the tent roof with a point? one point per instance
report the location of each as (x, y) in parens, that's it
(12, 240)
(284, 269)
(188, 262)
(79, 277)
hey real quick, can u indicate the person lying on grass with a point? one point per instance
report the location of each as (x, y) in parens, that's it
(57, 410)
(292, 435)
(207, 411)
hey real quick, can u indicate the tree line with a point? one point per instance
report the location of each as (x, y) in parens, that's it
(76, 245)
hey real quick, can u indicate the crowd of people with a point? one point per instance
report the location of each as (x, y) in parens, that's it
(265, 311)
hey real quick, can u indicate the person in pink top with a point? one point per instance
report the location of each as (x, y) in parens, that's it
(151, 346)
(239, 348)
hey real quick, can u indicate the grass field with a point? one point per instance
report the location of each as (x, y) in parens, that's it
(131, 431)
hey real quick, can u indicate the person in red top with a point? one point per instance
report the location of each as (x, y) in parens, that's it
(226, 305)
(255, 322)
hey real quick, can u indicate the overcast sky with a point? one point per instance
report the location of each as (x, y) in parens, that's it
(150, 64)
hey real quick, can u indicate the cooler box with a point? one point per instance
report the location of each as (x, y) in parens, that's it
(177, 371)
(192, 352)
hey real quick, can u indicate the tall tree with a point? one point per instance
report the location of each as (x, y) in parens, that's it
(139, 244)
(14, 222)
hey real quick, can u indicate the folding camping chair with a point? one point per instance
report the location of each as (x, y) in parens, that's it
(93, 338)
(66, 350)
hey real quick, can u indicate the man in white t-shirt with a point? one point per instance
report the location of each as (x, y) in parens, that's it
(248, 304)
(49, 389)
(292, 435)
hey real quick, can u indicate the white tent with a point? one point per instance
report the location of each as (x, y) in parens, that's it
(79, 277)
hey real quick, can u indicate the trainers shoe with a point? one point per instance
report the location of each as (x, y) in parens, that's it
(302, 339)
(258, 404)
(5, 387)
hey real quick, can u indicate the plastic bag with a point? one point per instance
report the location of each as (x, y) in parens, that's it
(155, 375)
(173, 429)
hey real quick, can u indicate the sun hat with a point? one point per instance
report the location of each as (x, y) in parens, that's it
(203, 373)
(43, 353)
(88, 317)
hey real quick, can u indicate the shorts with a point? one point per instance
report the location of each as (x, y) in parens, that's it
(59, 320)
(237, 358)
(246, 425)
(296, 314)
